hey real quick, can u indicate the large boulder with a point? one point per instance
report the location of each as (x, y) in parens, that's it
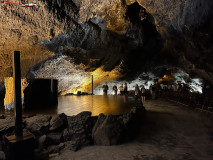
(38, 124)
(7, 125)
(107, 131)
(112, 130)
(46, 140)
(58, 122)
(55, 148)
(41, 142)
(79, 130)
(132, 122)
(54, 138)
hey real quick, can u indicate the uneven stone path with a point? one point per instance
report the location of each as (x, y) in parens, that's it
(171, 132)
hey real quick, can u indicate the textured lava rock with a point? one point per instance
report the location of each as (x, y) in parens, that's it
(108, 132)
(38, 124)
(79, 130)
(54, 138)
(55, 148)
(58, 122)
(7, 125)
(41, 141)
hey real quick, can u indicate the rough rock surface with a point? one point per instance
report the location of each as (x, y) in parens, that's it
(38, 124)
(108, 132)
(58, 122)
(109, 31)
(54, 138)
(7, 125)
(55, 148)
(79, 130)
(112, 130)
(54, 133)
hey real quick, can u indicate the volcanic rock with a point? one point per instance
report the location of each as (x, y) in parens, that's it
(58, 122)
(42, 142)
(54, 138)
(38, 124)
(79, 130)
(107, 131)
(55, 148)
(7, 125)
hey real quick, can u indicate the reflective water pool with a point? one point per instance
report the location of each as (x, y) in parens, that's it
(72, 105)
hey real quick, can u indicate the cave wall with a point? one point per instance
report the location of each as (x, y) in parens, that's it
(103, 31)
(21, 29)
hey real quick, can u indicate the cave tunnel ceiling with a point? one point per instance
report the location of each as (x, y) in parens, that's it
(128, 36)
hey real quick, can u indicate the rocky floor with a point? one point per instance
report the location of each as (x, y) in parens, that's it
(171, 132)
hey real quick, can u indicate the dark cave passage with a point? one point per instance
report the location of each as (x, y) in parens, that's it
(150, 42)
(144, 21)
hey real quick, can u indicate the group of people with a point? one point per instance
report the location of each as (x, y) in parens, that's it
(123, 89)
(140, 93)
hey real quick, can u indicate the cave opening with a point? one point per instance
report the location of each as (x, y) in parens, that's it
(144, 33)
(133, 11)
(144, 21)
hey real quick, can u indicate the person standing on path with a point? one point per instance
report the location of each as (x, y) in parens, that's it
(105, 89)
(115, 89)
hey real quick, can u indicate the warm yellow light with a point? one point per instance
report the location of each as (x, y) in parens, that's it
(99, 76)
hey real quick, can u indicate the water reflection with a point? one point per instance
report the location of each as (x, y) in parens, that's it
(72, 105)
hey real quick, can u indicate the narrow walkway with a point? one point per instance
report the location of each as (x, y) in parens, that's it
(171, 132)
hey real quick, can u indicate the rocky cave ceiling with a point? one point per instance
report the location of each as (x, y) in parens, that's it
(113, 39)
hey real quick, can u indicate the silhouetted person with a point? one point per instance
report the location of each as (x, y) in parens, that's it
(125, 89)
(143, 94)
(115, 89)
(179, 87)
(105, 88)
(150, 88)
(154, 91)
(137, 92)
(175, 87)
(121, 89)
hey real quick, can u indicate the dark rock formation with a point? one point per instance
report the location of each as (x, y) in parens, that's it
(112, 130)
(7, 125)
(55, 148)
(38, 124)
(58, 122)
(107, 131)
(53, 133)
(79, 130)
(54, 138)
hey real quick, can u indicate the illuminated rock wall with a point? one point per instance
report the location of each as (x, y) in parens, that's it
(9, 96)
(21, 29)
(107, 36)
